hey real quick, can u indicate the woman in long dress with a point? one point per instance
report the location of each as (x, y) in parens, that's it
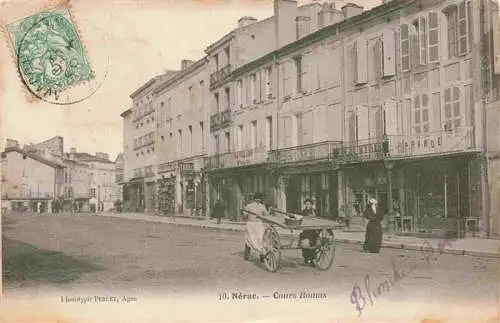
(254, 232)
(373, 236)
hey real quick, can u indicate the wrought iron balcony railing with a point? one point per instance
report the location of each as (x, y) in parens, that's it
(138, 173)
(149, 171)
(220, 120)
(237, 159)
(311, 152)
(220, 75)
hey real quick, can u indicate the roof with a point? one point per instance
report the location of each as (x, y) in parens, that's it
(90, 158)
(126, 112)
(160, 77)
(188, 70)
(34, 156)
(383, 10)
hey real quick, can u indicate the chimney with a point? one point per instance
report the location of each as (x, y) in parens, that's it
(72, 150)
(285, 12)
(245, 21)
(185, 63)
(351, 10)
(303, 25)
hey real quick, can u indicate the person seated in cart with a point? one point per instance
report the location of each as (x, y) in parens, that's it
(308, 237)
(254, 232)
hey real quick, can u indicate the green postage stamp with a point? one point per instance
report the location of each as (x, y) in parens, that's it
(49, 53)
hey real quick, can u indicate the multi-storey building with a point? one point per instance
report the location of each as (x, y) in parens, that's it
(386, 103)
(103, 191)
(31, 179)
(139, 147)
(182, 127)
(76, 186)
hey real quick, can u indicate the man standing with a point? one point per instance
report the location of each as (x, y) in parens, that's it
(254, 227)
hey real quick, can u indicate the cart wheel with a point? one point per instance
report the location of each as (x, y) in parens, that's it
(325, 250)
(271, 243)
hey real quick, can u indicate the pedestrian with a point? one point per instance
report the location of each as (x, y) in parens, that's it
(254, 232)
(373, 235)
(308, 237)
(218, 210)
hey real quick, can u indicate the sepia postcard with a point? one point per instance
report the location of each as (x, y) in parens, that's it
(250, 161)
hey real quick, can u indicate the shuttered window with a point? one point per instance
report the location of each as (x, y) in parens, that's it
(405, 47)
(361, 61)
(421, 122)
(452, 109)
(239, 93)
(287, 69)
(287, 131)
(267, 82)
(421, 27)
(390, 117)
(433, 37)
(363, 123)
(451, 18)
(463, 28)
(379, 122)
(387, 50)
(353, 127)
(305, 73)
(298, 73)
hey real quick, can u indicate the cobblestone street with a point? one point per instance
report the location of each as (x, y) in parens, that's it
(113, 253)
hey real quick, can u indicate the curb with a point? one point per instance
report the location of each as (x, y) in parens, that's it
(456, 252)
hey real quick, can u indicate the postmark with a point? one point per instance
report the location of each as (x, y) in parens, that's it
(51, 59)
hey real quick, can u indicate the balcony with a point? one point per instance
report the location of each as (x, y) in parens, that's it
(220, 120)
(305, 153)
(360, 151)
(237, 159)
(217, 77)
(149, 171)
(167, 167)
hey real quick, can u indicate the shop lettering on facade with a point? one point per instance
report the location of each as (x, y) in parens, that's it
(304, 153)
(371, 151)
(420, 145)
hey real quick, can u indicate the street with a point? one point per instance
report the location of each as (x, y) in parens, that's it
(93, 252)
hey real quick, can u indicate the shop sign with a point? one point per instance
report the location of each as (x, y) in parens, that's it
(365, 152)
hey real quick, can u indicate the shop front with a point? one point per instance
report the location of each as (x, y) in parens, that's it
(436, 196)
(166, 195)
(133, 196)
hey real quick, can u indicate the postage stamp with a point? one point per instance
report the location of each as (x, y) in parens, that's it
(49, 52)
(50, 56)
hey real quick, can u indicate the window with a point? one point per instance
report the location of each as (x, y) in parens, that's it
(191, 98)
(361, 61)
(216, 107)
(253, 134)
(421, 114)
(463, 28)
(269, 132)
(190, 129)
(228, 55)
(239, 93)
(239, 137)
(228, 141)
(298, 73)
(92, 192)
(227, 98)
(202, 134)
(452, 113)
(180, 148)
(267, 85)
(421, 27)
(353, 127)
(405, 48)
(253, 86)
(217, 144)
(433, 37)
(451, 17)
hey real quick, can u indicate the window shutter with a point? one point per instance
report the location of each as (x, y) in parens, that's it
(361, 61)
(248, 85)
(287, 79)
(463, 28)
(257, 86)
(391, 117)
(306, 131)
(388, 53)
(422, 39)
(306, 72)
(405, 47)
(272, 80)
(379, 122)
(287, 131)
(415, 50)
(363, 123)
(320, 130)
(434, 37)
(352, 127)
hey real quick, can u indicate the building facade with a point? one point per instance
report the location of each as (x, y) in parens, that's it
(182, 127)
(386, 104)
(76, 187)
(31, 181)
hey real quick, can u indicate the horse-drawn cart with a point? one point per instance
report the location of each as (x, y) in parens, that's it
(323, 250)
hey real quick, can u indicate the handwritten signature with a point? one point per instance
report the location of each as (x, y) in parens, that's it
(357, 297)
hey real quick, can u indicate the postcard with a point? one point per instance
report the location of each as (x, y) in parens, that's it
(250, 161)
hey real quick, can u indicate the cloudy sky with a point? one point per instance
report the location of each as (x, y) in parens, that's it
(139, 39)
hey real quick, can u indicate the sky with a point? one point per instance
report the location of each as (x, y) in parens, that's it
(131, 40)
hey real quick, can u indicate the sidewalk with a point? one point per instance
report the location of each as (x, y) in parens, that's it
(469, 246)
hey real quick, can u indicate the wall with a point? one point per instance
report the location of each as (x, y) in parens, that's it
(181, 114)
(254, 41)
(129, 155)
(39, 178)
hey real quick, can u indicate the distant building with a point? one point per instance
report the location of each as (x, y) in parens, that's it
(30, 181)
(103, 189)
